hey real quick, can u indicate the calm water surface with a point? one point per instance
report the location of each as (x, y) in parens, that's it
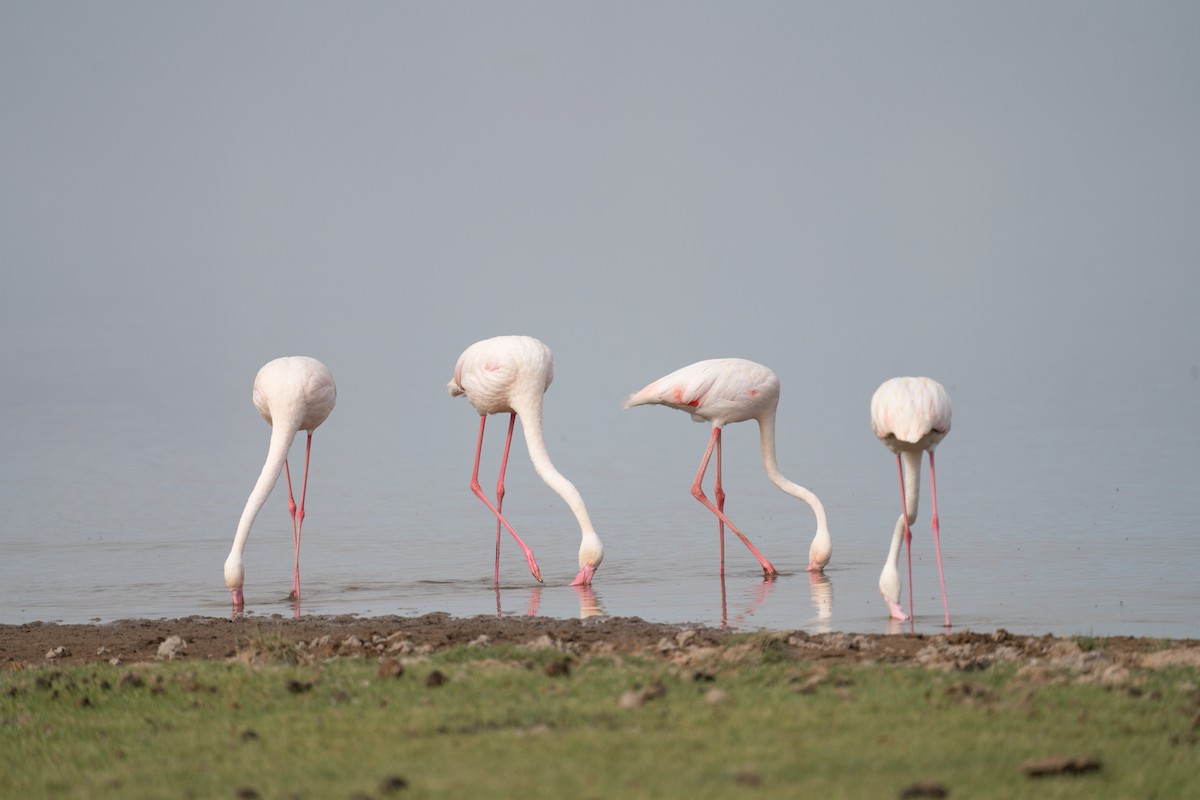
(1066, 534)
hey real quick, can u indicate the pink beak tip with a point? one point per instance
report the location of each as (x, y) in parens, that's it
(584, 577)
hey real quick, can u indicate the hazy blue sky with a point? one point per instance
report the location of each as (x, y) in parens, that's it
(1005, 196)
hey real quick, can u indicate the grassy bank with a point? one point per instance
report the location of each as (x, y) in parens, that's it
(747, 719)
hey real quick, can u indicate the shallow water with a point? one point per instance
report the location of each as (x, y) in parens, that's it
(1040, 539)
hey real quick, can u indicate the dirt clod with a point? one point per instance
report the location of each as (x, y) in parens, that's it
(1059, 765)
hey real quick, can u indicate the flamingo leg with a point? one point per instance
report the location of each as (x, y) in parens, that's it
(698, 493)
(724, 607)
(300, 513)
(297, 513)
(907, 532)
(719, 493)
(937, 544)
(292, 511)
(477, 490)
(512, 421)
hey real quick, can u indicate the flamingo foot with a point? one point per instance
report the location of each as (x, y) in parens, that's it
(533, 567)
(896, 611)
(584, 578)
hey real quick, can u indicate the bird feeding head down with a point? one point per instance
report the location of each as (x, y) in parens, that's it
(821, 550)
(591, 553)
(235, 575)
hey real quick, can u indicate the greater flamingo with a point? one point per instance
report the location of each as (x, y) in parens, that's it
(910, 416)
(294, 393)
(725, 390)
(509, 375)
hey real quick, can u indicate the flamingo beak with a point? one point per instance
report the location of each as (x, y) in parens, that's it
(816, 566)
(238, 599)
(584, 577)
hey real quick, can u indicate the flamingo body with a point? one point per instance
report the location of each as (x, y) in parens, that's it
(510, 375)
(910, 416)
(293, 394)
(721, 391)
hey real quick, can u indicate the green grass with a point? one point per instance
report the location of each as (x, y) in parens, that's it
(502, 726)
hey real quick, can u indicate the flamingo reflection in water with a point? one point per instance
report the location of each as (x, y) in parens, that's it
(589, 603)
(820, 595)
(532, 602)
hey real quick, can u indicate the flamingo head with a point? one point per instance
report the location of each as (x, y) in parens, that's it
(591, 553)
(889, 587)
(235, 575)
(820, 551)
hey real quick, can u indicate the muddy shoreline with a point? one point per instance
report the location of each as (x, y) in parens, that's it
(198, 638)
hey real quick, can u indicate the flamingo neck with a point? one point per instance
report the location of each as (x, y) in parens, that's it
(282, 437)
(822, 546)
(912, 483)
(531, 424)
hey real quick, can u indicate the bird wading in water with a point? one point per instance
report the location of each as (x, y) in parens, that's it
(910, 416)
(294, 393)
(510, 375)
(725, 390)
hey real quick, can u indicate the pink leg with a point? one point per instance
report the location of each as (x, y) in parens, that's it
(512, 421)
(292, 509)
(937, 544)
(724, 608)
(477, 490)
(907, 533)
(719, 493)
(297, 513)
(698, 493)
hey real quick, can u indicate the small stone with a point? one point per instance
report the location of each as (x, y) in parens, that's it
(748, 778)
(393, 784)
(57, 652)
(639, 697)
(171, 647)
(390, 668)
(435, 679)
(1114, 676)
(558, 669)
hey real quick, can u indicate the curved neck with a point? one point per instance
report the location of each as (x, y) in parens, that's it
(281, 441)
(531, 424)
(766, 431)
(912, 482)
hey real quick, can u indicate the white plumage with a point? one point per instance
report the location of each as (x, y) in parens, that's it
(294, 393)
(721, 391)
(910, 416)
(510, 375)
